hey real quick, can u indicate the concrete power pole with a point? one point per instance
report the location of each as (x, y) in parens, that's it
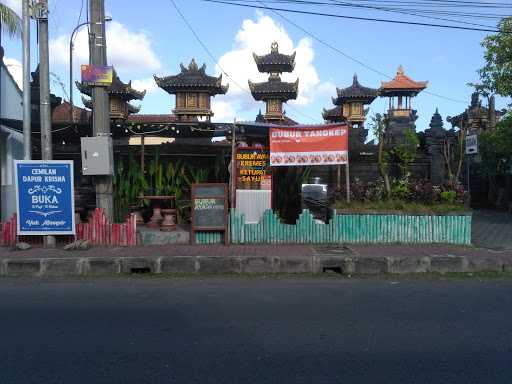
(27, 145)
(101, 109)
(41, 14)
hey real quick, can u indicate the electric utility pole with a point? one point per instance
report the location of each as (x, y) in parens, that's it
(100, 110)
(27, 145)
(41, 14)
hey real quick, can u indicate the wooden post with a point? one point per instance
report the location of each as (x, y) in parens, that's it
(233, 164)
(347, 181)
(338, 177)
(142, 152)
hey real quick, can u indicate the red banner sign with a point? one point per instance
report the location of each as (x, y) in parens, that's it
(309, 145)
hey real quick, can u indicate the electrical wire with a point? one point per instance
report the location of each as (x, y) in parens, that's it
(346, 55)
(79, 17)
(324, 14)
(212, 57)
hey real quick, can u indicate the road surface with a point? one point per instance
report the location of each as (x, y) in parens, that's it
(255, 330)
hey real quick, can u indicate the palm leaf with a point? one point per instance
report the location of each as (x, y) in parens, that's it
(10, 21)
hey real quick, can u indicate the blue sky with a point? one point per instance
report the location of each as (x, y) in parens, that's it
(147, 38)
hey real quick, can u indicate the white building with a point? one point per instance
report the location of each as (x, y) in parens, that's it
(11, 141)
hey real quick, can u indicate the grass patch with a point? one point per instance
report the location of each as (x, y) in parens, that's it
(399, 207)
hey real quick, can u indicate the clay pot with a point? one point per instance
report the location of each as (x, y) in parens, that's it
(156, 219)
(169, 222)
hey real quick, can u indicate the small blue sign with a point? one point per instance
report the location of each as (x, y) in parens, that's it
(45, 197)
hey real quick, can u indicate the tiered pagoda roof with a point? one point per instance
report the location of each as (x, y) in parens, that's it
(275, 62)
(334, 115)
(123, 91)
(402, 85)
(275, 89)
(192, 78)
(355, 92)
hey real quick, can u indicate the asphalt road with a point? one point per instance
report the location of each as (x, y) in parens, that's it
(236, 330)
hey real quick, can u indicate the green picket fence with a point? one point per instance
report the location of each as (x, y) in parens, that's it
(347, 228)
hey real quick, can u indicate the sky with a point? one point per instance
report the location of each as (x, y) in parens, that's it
(150, 37)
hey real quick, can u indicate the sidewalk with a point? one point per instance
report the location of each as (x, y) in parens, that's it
(349, 260)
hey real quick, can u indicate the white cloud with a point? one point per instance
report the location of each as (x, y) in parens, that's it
(127, 51)
(15, 68)
(148, 85)
(223, 111)
(256, 36)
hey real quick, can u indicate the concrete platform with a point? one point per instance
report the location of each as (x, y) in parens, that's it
(149, 236)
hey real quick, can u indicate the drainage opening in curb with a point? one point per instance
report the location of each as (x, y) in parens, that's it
(332, 270)
(140, 270)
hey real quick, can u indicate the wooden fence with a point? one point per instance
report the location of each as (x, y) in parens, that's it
(98, 231)
(352, 228)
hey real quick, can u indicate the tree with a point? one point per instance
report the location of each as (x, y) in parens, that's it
(495, 148)
(496, 75)
(453, 153)
(405, 152)
(379, 127)
(10, 21)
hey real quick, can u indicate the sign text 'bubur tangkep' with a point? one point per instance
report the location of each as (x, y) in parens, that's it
(309, 145)
(45, 197)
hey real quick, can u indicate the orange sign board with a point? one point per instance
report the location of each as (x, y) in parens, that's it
(309, 145)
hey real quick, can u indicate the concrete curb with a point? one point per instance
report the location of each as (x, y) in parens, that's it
(315, 264)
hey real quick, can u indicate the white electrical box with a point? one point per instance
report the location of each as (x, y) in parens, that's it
(97, 155)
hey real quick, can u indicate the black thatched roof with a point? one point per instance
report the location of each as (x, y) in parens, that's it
(274, 89)
(333, 115)
(274, 61)
(192, 78)
(117, 88)
(356, 92)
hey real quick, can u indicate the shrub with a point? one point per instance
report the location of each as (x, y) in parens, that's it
(448, 196)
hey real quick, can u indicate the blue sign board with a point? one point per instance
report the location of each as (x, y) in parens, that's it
(45, 197)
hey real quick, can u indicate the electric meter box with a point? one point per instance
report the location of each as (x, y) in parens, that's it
(97, 155)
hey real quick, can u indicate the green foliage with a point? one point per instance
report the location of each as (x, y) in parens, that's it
(496, 75)
(11, 22)
(161, 179)
(129, 185)
(397, 206)
(496, 147)
(400, 189)
(405, 152)
(448, 197)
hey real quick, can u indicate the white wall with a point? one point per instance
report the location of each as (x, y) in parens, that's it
(11, 142)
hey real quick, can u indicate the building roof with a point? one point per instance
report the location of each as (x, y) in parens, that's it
(275, 61)
(334, 114)
(131, 108)
(192, 78)
(402, 83)
(151, 119)
(61, 114)
(274, 89)
(355, 92)
(117, 88)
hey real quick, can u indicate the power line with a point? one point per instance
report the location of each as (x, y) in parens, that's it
(332, 47)
(212, 57)
(354, 17)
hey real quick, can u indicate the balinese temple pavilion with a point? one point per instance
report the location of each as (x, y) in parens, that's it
(400, 91)
(120, 95)
(350, 104)
(274, 92)
(193, 89)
